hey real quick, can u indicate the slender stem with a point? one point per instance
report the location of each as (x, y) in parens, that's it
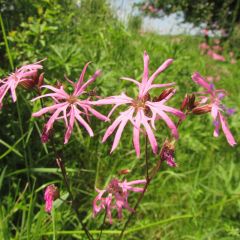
(105, 215)
(6, 43)
(23, 141)
(149, 178)
(64, 174)
(61, 165)
(135, 208)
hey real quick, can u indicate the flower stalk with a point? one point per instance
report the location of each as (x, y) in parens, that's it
(61, 165)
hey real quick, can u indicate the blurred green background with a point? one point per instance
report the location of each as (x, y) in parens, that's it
(200, 199)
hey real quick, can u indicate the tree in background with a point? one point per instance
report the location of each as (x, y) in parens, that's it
(221, 15)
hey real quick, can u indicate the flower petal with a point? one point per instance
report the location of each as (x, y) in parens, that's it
(226, 131)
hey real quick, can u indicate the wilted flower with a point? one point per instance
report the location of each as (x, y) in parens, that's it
(51, 194)
(142, 111)
(23, 76)
(69, 107)
(215, 106)
(115, 196)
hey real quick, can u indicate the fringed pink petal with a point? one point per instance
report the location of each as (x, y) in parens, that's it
(83, 122)
(84, 86)
(145, 70)
(226, 131)
(48, 109)
(131, 80)
(80, 80)
(198, 79)
(149, 132)
(136, 134)
(70, 126)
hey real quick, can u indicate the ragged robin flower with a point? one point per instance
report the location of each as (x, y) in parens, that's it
(69, 107)
(115, 196)
(213, 103)
(142, 111)
(23, 76)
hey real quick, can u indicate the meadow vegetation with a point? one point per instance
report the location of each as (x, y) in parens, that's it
(200, 199)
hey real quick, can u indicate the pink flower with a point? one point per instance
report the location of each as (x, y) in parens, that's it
(217, 48)
(212, 78)
(20, 76)
(203, 47)
(217, 108)
(205, 31)
(216, 56)
(51, 194)
(115, 196)
(69, 107)
(142, 111)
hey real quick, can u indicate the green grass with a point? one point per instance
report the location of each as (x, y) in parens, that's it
(198, 200)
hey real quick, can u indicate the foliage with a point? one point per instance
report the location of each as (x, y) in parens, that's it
(197, 200)
(216, 15)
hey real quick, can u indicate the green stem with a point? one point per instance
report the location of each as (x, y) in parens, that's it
(148, 180)
(61, 165)
(101, 230)
(6, 43)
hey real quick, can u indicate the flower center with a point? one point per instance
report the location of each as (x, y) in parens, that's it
(138, 103)
(113, 187)
(72, 99)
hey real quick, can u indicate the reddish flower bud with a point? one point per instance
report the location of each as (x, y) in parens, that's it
(32, 81)
(202, 109)
(40, 80)
(27, 84)
(188, 102)
(185, 102)
(192, 103)
(124, 171)
(164, 94)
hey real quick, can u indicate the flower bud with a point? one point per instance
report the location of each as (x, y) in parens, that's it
(40, 80)
(188, 102)
(164, 94)
(32, 81)
(124, 171)
(185, 102)
(192, 102)
(202, 109)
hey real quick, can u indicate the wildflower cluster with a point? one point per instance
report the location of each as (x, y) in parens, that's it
(141, 112)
